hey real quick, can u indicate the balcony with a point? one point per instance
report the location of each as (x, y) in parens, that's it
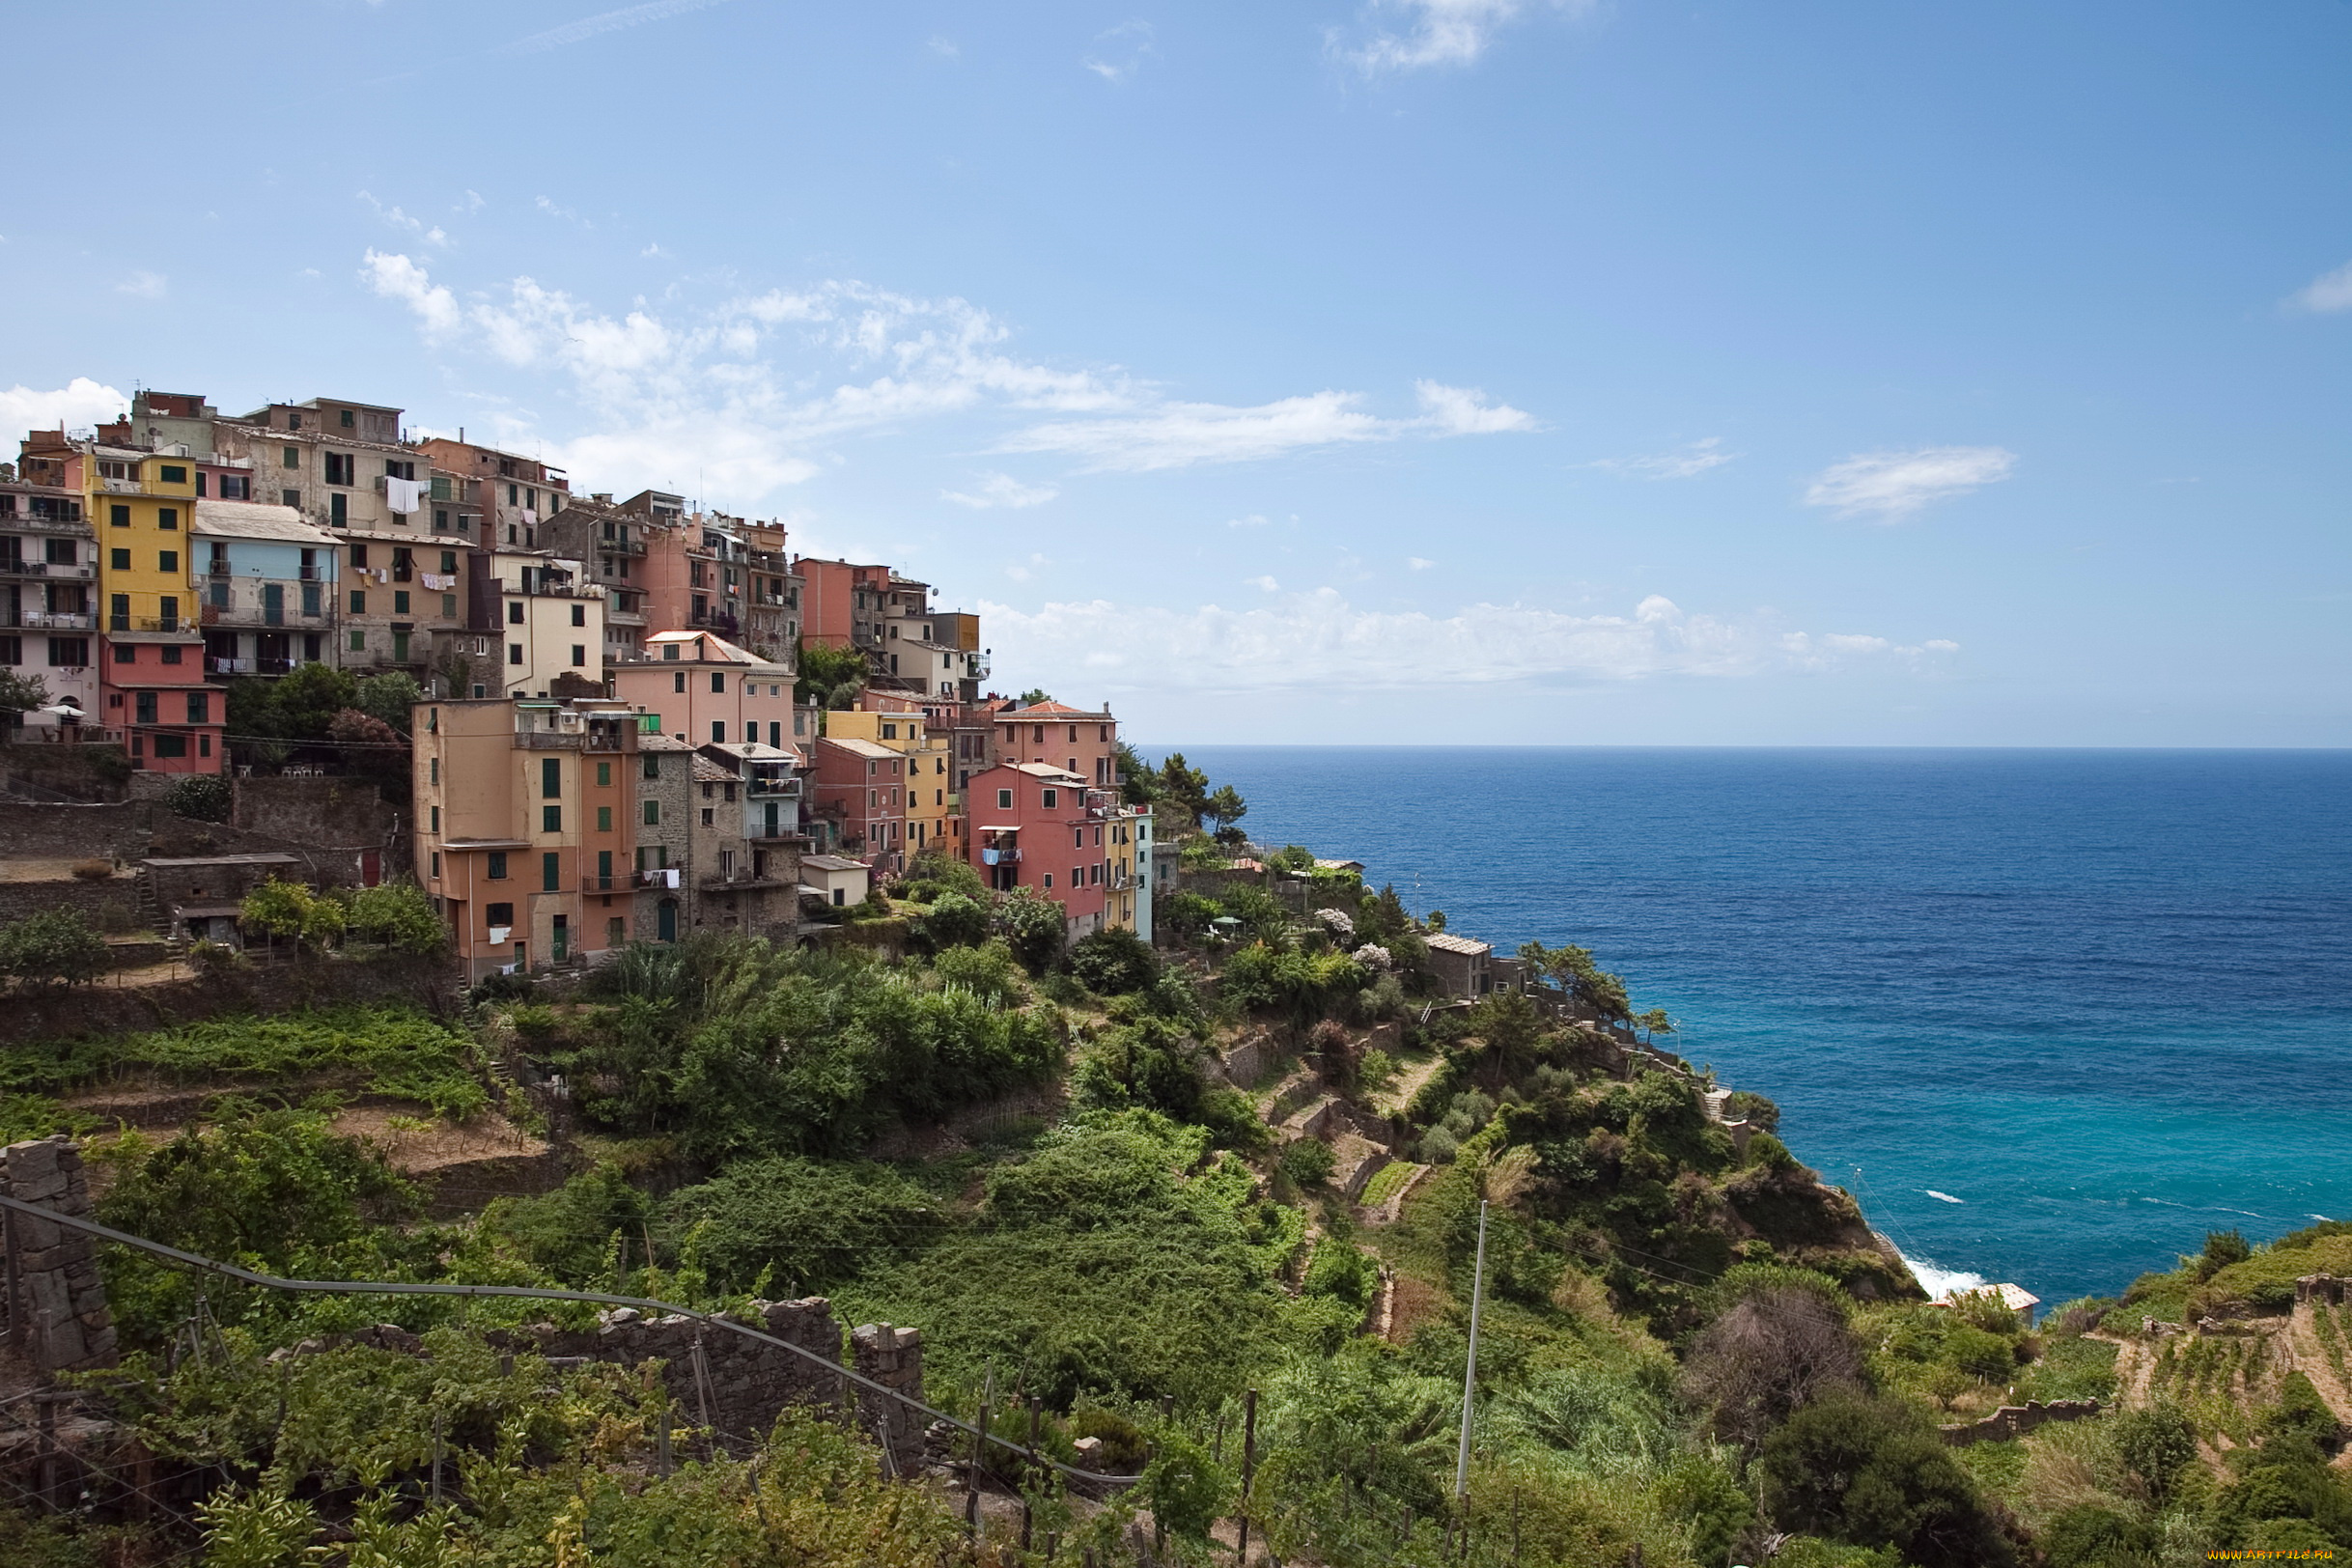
(15, 567)
(60, 619)
(155, 623)
(659, 877)
(229, 666)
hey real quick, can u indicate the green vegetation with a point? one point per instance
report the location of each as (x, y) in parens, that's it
(1691, 1355)
(55, 947)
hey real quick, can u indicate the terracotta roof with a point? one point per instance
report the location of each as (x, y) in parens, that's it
(706, 771)
(1051, 709)
(855, 747)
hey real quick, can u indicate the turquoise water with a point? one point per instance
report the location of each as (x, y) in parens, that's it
(2050, 1015)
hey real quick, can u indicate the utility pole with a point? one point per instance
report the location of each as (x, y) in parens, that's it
(1469, 1380)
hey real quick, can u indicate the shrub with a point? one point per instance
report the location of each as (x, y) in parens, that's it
(794, 1227)
(1308, 1162)
(55, 947)
(1115, 962)
(1340, 1270)
(955, 921)
(202, 797)
(1759, 1112)
(93, 870)
(987, 971)
(1125, 1444)
(1774, 1353)
(1984, 1356)
(1034, 927)
(1876, 1475)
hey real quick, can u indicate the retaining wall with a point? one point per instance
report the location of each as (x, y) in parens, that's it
(56, 1304)
(2013, 1421)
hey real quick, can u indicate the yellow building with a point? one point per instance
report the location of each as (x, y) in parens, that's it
(934, 818)
(142, 508)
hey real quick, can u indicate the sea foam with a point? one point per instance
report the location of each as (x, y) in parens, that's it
(1942, 1282)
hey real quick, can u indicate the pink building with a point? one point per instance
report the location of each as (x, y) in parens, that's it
(1083, 742)
(1040, 826)
(708, 691)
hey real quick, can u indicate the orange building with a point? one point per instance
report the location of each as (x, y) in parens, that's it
(526, 818)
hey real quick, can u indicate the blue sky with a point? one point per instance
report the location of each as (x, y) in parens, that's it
(1420, 371)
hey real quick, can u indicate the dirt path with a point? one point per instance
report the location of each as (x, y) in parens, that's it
(2135, 1365)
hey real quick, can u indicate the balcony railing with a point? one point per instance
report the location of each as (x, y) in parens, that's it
(157, 623)
(12, 566)
(229, 666)
(60, 619)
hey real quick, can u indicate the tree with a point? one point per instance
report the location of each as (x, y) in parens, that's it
(1777, 1350)
(1035, 927)
(1875, 1474)
(1573, 971)
(1225, 808)
(1184, 787)
(390, 697)
(1656, 1021)
(397, 914)
(284, 909)
(1139, 781)
(20, 694)
(54, 947)
(830, 677)
(955, 921)
(1035, 696)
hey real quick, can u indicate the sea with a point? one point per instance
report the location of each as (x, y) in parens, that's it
(2051, 1016)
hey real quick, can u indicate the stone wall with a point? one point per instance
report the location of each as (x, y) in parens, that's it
(1247, 1062)
(56, 1304)
(321, 813)
(749, 1383)
(2013, 1421)
(112, 905)
(61, 832)
(2330, 1288)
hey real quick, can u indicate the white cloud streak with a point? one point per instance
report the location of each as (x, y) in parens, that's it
(1320, 641)
(1438, 32)
(2328, 292)
(78, 404)
(721, 387)
(1181, 434)
(1683, 463)
(1129, 44)
(609, 22)
(995, 489)
(1895, 485)
(144, 285)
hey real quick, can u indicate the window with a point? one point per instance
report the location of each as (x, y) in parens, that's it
(338, 511)
(653, 769)
(359, 602)
(311, 599)
(550, 819)
(499, 914)
(889, 732)
(551, 777)
(60, 552)
(290, 457)
(199, 708)
(449, 607)
(580, 615)
(718, 684)
(1078, 838)
(399, 601)
(719, 732)
(677, 676)
(449, 563)
(287, 497)
(437, 819)
(119, 560)
(143, 707)
(171, 473)
(168, 744)
(167, 517)
(1048, 882)
(603, 776)
(69, 651)
(436, 861)
(1052, 796)
(434, 771)
(340, 466)
(514, 653)
(604, 819)
(359, 642)
(167, 560)
(11, 650)
(497, 869)
(394, 468)
(1004, 799)
(119, 515)
(652, 808)
(579, 654)
(171, 652)
(359, 556)
(346, 420)
(709, 817)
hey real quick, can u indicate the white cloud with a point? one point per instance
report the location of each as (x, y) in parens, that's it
(1438, 32)
(1128, 46)
(1255, 519)
(609, 22)
(1320, 641)
(1683, 463)
(432, 235)
(941, 45)
(2329, 292)
(1896, 483)
(1023, 571)
(1264, 585)
(78, 404)
(753, 387)
(1001, 490)
(1420, 563)
(473, 203)
(396, 278)
(144, 285)
(1179, 434)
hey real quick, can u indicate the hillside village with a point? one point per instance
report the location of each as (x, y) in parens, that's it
(412, 873)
